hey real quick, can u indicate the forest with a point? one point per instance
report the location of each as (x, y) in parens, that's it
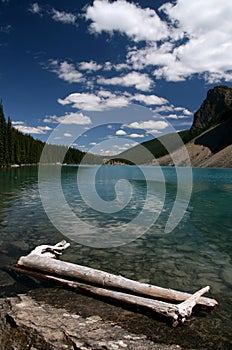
(18, 148)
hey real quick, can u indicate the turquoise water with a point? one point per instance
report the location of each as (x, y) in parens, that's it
(198, 252)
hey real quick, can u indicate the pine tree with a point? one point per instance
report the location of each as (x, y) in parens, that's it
(17, 148)
(2, 136)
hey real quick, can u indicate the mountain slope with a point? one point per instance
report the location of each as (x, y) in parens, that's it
(208, 142)
(212, 148)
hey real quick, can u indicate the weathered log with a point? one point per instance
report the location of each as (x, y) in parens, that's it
(40, 259)
(178, 313)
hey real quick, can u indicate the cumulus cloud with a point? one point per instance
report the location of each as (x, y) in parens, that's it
(183, 110)
(120, 132)
(25, 129)
(135, 136)
(208, 31)
(69, 118)
(126, 18)
(193, 37)
(170, 109)
(175, 116)
(135, 79)
(90, 66)
(105, 100)
(149, 125)
(121, 66)
(66, 71)
(99, 101)
(63, 17)
(149, 100)
(17, 123)
(108, 66)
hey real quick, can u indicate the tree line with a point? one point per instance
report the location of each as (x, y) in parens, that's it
(18, 148)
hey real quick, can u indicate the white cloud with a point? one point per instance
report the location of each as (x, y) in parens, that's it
(149, 124)
(120, 132)
(151, 55)
(183, 110)
(58, 16)
(153, 126)
(69, 118)
(121, 66)
(149, 99)
(105, 100)
(108, 66)
(25, 129)
(63, 17)
(194, 37)
(138, 80)
(217, 77)
(99, 101)
(67, 71)
(134, 136)
(90, 66)
(17, 123)
(170, 109)
(45, 128)
(175, 116)
(35, 8)
(126, 18)
(67, 134)
(208, 27)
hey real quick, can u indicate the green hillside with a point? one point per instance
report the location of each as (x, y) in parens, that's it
(152, 149)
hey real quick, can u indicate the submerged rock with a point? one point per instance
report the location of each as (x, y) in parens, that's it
(28, 324)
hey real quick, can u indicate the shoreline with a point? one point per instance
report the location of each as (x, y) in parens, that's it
(76, 322)
(16, 166)
(45, 308)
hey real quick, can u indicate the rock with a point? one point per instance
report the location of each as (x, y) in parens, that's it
(28, 324)
(210, 142)
(218, 100)
(94, 318)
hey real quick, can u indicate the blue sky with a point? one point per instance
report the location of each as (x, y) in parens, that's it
(140, 68)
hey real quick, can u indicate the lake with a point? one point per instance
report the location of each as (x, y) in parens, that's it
(196, 253)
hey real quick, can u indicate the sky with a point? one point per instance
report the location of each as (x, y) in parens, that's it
(124, 71)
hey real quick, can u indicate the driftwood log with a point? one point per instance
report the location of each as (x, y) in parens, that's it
(41, 263)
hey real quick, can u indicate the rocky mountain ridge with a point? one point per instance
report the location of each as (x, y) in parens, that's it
(208, 142)
(217, 107)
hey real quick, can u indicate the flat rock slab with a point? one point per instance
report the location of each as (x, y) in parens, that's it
(28, 324)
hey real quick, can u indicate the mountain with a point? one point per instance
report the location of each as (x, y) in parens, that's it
(216, 108)
(208, 142)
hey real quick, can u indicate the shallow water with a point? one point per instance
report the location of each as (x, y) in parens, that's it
(196, 253)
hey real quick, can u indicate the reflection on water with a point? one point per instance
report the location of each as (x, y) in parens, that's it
(197, 253)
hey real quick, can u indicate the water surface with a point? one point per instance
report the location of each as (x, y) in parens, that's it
(197, 253)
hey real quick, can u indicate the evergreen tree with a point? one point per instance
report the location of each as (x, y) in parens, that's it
(17, 148)
(2, 136)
